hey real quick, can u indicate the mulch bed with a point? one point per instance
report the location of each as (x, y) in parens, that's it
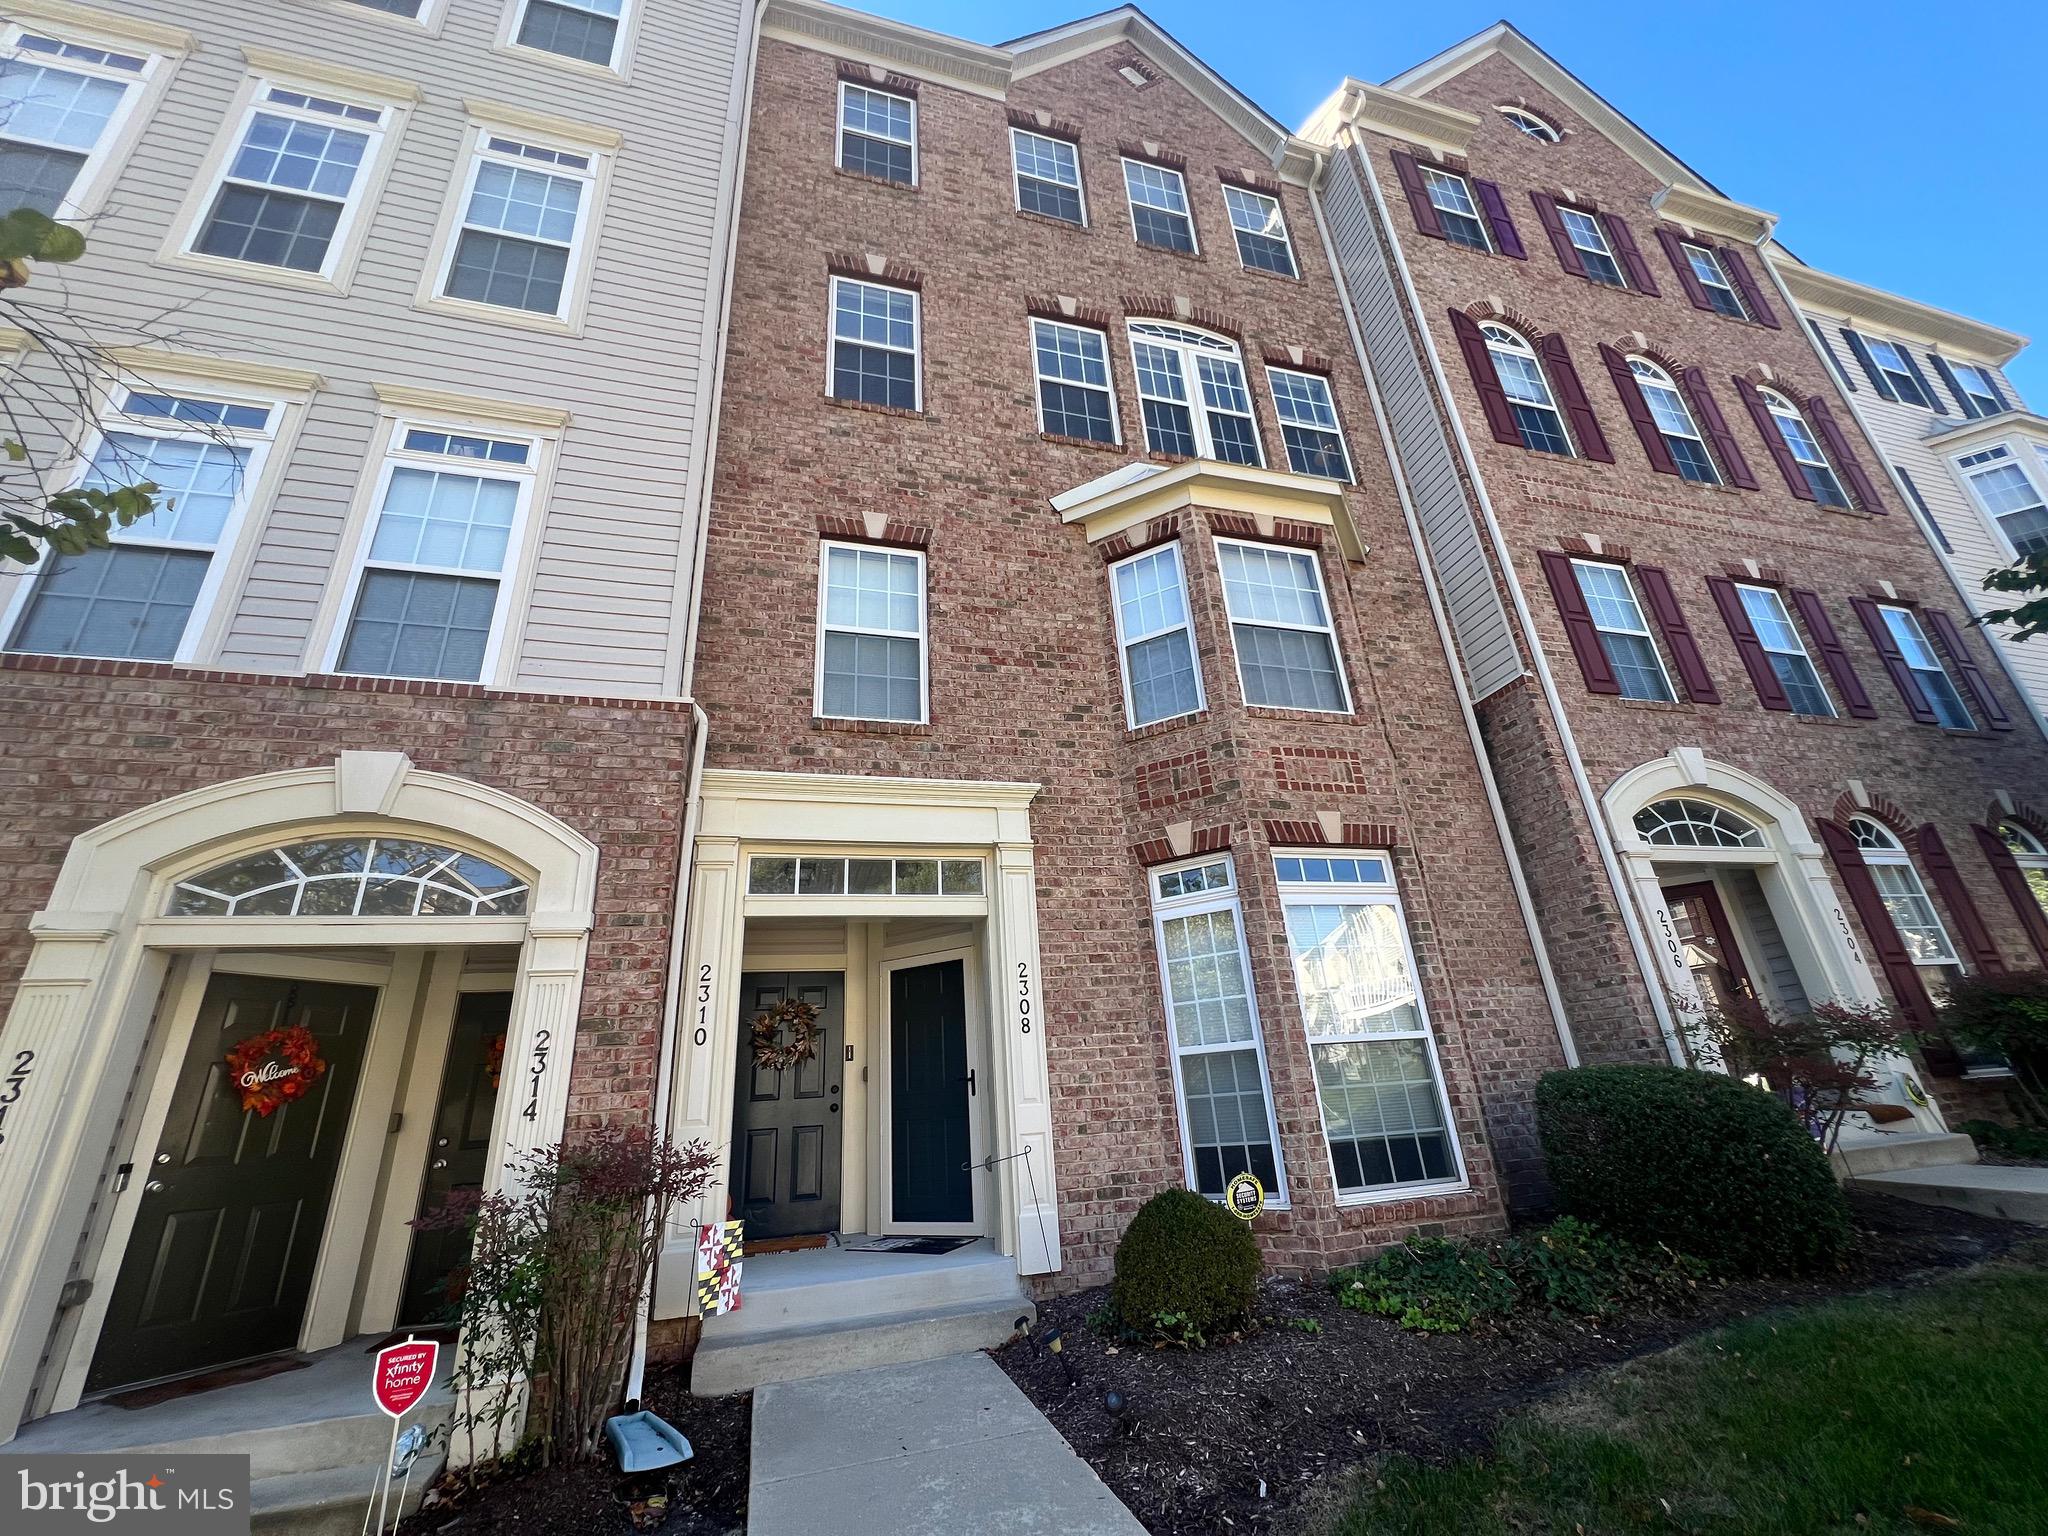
(1231, 1438)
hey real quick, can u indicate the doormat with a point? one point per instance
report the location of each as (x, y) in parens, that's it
(786, 1244)
(207, 1381)
(443, 1334)
(911, 1244)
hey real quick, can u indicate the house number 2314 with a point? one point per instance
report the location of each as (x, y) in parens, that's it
(1024, 997)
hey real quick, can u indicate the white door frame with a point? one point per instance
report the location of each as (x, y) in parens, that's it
(884, 1097)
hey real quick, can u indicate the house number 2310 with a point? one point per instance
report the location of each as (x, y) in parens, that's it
(1024, 996)
(703, 1003)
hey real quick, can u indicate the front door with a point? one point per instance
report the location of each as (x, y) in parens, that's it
(1707, 940)
(461, 1148)
(786, 1120)
(930, 1084)
(220, 1262)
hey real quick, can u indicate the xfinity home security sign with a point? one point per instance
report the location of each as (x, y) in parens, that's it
(140, 1494)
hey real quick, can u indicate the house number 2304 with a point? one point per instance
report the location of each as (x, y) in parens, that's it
(1024, 997)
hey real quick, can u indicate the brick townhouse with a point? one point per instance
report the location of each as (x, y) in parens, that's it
(1745, 732)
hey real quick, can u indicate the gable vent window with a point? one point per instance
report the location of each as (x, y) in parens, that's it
(1135, 74)
(1530, 124)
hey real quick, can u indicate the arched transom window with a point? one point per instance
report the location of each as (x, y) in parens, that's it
(1521, 377)
(1674, 422)
(1530, 124)
(1682, 823)
(2031, 854)
(1805, 450)
(352, 877)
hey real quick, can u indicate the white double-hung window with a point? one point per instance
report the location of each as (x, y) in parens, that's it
(1280, 628)
(138, 597)
(1048, 176)
(1191, 388)
(62, 107)
(1162, 679)
(587, 31)
(1378, 1082)
(1308, 424)
(1924, 662)
(871, 633)
(1219, 1056)
(1261, 230)
(452, 509)
(522, 231)
(2010, 497)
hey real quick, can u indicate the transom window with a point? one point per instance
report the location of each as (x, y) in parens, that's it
(352, 877)
(1674, 422)
(1308, 424)
(1177, 367)
(1378, 1083)
(393, 7)
(1048, 176)
(1706, 266)
(1896, 369)
(292, 185)
(1159, 206)
(871, 618)
(136, 597)
(1789, 661)
(1528, 122)
(1905, 898)
(452, 509)
(1456, 212)
(1982, 396)
(791, 875)
(1154, 638)
(877, 133)
(1926, 666)
(1074, 393)
(875, 344)
(1624, 634)
(1805, 449)
(1528, 391)
(2009, 496)
(1590, 240)
(1212, 1020)
(519, 240)
(1280, 628)
(61, 105)
(1684, 823)
(2031, 854)
(587, 30)
(1261, 230)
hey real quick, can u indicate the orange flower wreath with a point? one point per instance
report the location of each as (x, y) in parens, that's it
(274, 1068)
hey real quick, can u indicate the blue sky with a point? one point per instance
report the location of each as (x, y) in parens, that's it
(1900, 143)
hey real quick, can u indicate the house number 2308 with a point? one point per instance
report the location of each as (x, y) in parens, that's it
(1024, 997)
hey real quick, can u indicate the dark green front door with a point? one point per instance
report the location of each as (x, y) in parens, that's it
(220, 1262)
(786, 1122)
(456, 1160)
(930, 1083)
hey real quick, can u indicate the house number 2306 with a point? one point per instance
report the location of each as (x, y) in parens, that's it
(1024, 997)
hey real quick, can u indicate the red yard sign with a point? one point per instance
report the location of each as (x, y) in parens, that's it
(404, 1372)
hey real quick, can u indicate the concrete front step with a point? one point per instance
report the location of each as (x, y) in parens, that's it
(2012, 1194)
(1921, 1149)
(837, 1285)
(333, 1500)
(795, 1352)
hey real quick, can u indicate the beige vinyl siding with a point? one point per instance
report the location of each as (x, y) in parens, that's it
(610, 548)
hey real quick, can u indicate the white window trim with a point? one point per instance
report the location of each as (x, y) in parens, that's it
(1520, 346)
(1647, 632)
(1604, 248)
(1286, 235)
(1781, 409)
(1724, 280)
(1896, 856)
(1343, 443)
(1164, 907)
(1125, 640)
(620, 66)
(1131, 204)
(432, 14)
(1661, 377)
(1116, 421)
(924, 633)
(1478, 213)
(833, 338)
(1785, 614)
(2031, 465)
(1386, 894)
(1197, 403)
(576, 282)
(1988, 401)
(515, 577)
(1017, 174)
(1327, 627)
(840, 131)
(110, 154)
(1905, 384)
(1941, 663)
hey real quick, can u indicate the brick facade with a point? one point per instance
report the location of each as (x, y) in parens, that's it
(1024, 681)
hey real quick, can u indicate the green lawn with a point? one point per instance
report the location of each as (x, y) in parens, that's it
(1924, 1412)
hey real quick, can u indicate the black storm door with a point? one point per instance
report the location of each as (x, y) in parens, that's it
(461, 1149)
(785, 1123)
(930, 1083)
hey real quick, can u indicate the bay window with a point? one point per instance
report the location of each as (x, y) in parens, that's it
(1280, 628)
(1155, 643)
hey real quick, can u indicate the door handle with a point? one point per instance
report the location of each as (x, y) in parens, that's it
(440, 1162)
(153, 1187)
(970, 1082)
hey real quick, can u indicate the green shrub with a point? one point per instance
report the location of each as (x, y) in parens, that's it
(1430, 1284)
(2012, 1140)
(1186, 1270)
(1698, 1161)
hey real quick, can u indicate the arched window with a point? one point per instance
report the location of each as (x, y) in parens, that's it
(1683, 823)
(1805, 450)
(1674, 422)
(2031, 854)
(352, 877)
(1530, 124)
(1905, 898)
(1528, 392)
(1178, 367)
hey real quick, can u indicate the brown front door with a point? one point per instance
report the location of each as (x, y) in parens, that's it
(234, 1206)
(460, 1150)
(1708, 943)
(786, 1123)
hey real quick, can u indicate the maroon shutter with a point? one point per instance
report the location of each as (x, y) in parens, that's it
(1506, 238)
(1670, 620)
(1708, 412)
(1578, 623)
(1638, 409)
(1951, 640)
(1567, 254)
(1752, 292)
(1687, 278)
(1833, 653)
(1493, 400)
(1837, 444)
(1898, 967)
(1894, 660)
(1571, 394)
(1426, 221)
(1774, 440)
(1755, 659)
(1623, 239)
(1962, 907)
(2013, 881)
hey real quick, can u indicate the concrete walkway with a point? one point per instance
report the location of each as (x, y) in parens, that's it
(944, 1447)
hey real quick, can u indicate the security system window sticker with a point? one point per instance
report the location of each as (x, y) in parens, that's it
(57, 1495)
